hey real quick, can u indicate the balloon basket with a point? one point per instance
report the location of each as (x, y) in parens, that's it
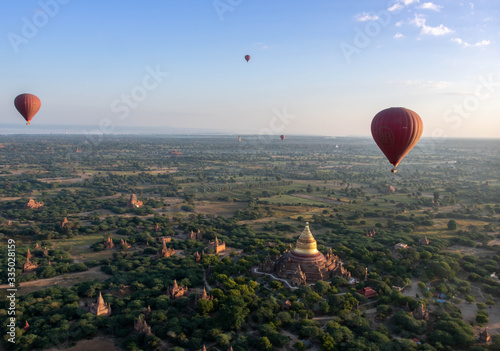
(28, 123)
(394, 170)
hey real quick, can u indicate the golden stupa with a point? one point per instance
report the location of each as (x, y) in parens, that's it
(306, 244)
(308, 261)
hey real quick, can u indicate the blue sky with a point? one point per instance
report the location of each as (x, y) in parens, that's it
(320, 67)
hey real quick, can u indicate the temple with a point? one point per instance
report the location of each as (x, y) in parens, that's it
(109, 243)
(424, 241)
(305, 263)
(195, 236)
(176, 292)
(217, 245)
(142, 327)
(421, 313)
(28, 266)
(101, 308)
(133, 202)
(165, 251)
(64, 222)
(203, 296)
(484, 336)
(125, 244)
(34, 204)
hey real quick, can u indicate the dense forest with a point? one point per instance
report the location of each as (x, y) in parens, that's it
(442, 207)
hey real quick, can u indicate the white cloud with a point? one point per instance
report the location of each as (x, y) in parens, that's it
(409, 2)
(436, 31)
(420, 20)
(365, 16)
(430, 6)
(400, 4)
(399, 24)
(465, 44)
(396, 7)
(398, 35)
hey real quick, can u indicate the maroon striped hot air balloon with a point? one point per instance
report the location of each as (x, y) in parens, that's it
(247, 57)
(27, 105)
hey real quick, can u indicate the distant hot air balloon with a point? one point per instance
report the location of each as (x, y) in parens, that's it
(239, 139)
(282, 137)
(27, 105)
(247, 57)
(396, 131)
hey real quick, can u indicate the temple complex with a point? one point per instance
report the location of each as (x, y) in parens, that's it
(109, 243)
(176, 292)
(100, 308)
(305, 263)
(217, 245)
(33, 204)
(133, 202)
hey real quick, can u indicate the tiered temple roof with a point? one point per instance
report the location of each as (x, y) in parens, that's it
(176, 292)
(100, 308)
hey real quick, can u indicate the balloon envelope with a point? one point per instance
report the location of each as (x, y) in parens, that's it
(396, 131)
(27, 105)
(282, 137)
(247, 57)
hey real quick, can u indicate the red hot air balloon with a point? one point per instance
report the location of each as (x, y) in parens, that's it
(247, 57)
(27, 105)
(396, 131)
(282, 137)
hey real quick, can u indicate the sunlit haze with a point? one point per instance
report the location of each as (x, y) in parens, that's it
(316, 68)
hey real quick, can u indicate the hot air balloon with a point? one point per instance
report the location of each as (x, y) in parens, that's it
(239, 139)
(282, 137)
(396, 131)
(247, 57)
(27, 105)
